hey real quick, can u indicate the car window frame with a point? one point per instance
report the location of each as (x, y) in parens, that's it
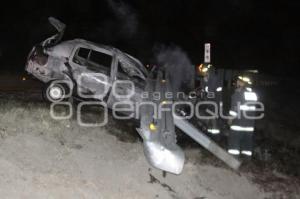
(108, 71)
(98, 65)
(83, 61)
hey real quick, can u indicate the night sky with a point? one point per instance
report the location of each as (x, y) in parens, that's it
(244, 34)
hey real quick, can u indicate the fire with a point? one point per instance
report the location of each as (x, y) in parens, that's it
(200, 67)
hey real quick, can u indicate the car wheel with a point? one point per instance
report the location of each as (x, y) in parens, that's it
(56, 92)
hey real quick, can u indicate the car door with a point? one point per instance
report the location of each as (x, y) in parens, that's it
(92, 71)
(127, 89)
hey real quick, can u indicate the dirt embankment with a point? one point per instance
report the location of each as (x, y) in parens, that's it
(41, 157)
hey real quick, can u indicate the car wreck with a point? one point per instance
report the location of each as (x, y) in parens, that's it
(91, 69)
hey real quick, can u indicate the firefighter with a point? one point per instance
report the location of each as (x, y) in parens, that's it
(240, 139)
(213, 86)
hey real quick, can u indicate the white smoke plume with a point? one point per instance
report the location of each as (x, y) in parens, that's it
(178, 66)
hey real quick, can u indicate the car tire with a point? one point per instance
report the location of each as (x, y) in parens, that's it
(56, 92)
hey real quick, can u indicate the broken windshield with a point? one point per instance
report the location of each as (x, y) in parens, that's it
(130, 69)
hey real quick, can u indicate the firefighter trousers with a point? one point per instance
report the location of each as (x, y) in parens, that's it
(240, 140)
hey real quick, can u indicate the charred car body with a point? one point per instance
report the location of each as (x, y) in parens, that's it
(92, 69)
(77, 60)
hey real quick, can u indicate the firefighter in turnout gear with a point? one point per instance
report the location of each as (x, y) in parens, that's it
(240, 140)
(213, 86)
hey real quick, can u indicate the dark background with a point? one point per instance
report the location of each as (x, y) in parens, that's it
(244, 34)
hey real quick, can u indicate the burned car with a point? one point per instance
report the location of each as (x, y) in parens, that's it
(77, 61)
(90, 69)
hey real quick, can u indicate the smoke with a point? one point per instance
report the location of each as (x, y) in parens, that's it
(127, 17)
(178, 66)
